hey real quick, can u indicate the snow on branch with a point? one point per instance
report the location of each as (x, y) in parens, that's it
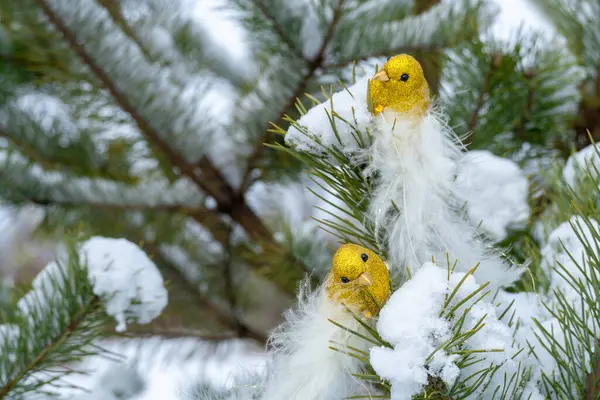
(176, 115)
(346, 110)
(583, 165)
(497, 191)
(577, 22)
(125, 278)
(122, 276)
(571, 329)
(444, 24)
(449, 333)
(67, 309)
(38, 185)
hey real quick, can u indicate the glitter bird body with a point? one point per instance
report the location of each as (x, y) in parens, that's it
(400, 86)
(304, 365)
(416, 202)
(359, 279)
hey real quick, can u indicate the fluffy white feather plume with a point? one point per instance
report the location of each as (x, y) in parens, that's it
(303, 366)
(415, 161)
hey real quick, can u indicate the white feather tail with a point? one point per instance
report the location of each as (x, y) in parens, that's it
(415, 161)
(304, 367)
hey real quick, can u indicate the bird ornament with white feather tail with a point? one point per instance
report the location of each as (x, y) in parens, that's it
(304, 365)
(415, 155)
(411, 158)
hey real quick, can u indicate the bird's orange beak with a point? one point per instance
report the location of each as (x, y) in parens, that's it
(381, 76)
(364, 279)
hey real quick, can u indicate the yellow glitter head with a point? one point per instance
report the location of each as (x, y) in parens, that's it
(359, 279)
(400, 86)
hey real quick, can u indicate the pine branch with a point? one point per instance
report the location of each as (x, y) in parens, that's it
(175, 333)
(204, 174)
(114, 10)
(41, 357)
(378, 54)
(278, 29)
(525, 116)
(430, 61)
(224, 316)
(485, 87)
(313, 65)
(230, 292)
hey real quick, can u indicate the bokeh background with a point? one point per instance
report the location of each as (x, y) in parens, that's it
(116, 155)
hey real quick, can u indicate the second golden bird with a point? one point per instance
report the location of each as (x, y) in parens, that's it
(358, 279)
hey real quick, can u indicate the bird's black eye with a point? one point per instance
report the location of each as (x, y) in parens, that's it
(364, 257)
(345, 280)
(404, 77)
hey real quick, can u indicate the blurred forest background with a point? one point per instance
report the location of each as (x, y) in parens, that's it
(146, 119)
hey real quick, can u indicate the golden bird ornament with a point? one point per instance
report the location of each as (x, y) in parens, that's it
(415, 158)
(305, 367)
(401, 86)
(358, 279)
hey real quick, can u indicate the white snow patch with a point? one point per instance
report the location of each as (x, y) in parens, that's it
(562, 248)
(418, 304)
(565, 255)
(514, 14)
(349, 104)
(497, 192)
(129, 281)
(525, 307)
(50, 113)
(582, 162)
(122, 275)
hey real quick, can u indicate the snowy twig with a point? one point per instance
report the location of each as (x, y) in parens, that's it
(51, 187)
(41, 357)
(313, 66)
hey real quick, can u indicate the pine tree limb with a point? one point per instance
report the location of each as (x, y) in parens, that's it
(485, 87)
(526, 114)
(205, 175)
(313, 65)
(41, 357)
(230, 295)
(391, 52)
(430, 60)
(278, 29)
(114, 10)
(221, 315)
(174, 333)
